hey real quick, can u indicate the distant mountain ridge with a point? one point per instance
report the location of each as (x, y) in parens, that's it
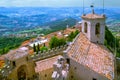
(22, 18)
(53, 26)
(66, 21)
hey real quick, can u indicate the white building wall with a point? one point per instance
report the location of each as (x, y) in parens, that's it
(88, 28)
(91, 30)
(94, 38)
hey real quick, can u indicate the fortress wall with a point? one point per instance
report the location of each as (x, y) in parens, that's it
(29, 68)
(46, 74)
(50, 53)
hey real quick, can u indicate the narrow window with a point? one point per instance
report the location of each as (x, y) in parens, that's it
(75, 68)
(85, 27)
(14, 64)
(27, 58)
(97, 29)
(72, 77)
(45, 75)
(68, 60)
(94, 79)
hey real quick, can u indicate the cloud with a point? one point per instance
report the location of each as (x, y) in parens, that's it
(57, 3)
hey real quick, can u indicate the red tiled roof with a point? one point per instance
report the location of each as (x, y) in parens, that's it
(93, 16)
(45, 64)
(95, 56)
(15, 54)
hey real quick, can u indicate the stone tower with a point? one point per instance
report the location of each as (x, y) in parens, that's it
(93, 26)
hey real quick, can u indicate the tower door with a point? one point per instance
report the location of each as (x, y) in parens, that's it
(22, 73)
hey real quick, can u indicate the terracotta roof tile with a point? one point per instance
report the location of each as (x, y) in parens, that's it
(93, 16)
(15, 54)
(45, 64)
(95, 56)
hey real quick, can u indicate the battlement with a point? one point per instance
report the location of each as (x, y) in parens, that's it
(8, 67)
(49, 53)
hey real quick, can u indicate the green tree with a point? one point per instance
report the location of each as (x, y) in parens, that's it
(76, 33)
(61, 41)
(8, 43)
(38, 47)
(53, 42)
(43, 48)
(110, 41)
(3, 51)
(37, 52)
(72, 35)
(34, 48)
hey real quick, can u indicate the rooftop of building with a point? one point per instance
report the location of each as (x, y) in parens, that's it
(93, 16)
(16, 54)
(45, 64)
(94, 56)
(59, 34)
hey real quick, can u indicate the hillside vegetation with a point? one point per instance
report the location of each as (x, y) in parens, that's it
(8, 43)
(112, 42)
(52, 26)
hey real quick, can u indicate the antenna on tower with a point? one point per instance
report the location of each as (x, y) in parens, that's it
(92, 7)
(83, 7)
(103, 6)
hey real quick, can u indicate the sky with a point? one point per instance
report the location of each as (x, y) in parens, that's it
(58, 3)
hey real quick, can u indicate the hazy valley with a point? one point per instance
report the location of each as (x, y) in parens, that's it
(27, 19)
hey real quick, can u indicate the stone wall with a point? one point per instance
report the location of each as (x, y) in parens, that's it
(30, 72)
(50, 53)
(46, 74)
(80, 72)
(9, 71)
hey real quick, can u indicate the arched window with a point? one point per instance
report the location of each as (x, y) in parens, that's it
(97, 29)
(85, 27)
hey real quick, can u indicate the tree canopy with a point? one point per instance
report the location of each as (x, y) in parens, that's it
(54, 42)
(72, 35)
(8, 43)
(111, 42)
